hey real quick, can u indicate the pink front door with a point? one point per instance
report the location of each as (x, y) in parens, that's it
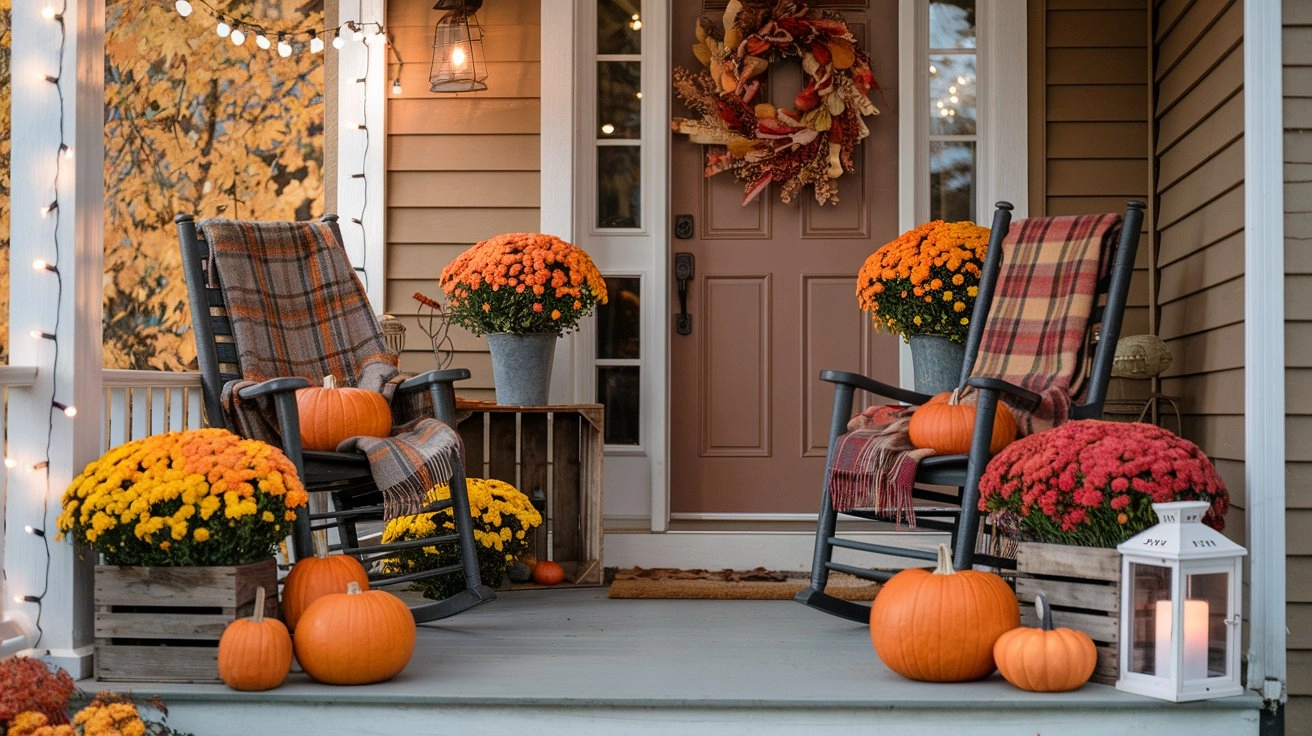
(772, 299)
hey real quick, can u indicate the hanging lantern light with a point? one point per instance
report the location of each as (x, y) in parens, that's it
(458, 61)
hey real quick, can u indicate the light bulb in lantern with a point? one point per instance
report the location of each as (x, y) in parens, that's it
(183, 7)
(238, 37)
(316, 43)
(458, 57)
(263, 41)
(223, 29)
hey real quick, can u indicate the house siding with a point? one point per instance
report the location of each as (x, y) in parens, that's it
(460, 168)
(1090, 131)
(1297, 84)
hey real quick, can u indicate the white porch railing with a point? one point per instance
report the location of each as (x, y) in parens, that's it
(142, 403)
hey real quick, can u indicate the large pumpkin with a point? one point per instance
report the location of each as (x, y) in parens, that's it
(946, 426)
(1045, 660)
(941, 625)
(314, 577)
(356, 637)
(332, 413)
(255, 653)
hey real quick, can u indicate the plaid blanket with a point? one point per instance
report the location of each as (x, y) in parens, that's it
(1036, 338)
(296, 277)
(1038, 327)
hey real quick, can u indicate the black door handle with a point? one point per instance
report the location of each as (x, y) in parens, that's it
(683, 271)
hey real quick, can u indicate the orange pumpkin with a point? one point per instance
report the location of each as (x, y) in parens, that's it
(356, 637)
(941, 625)
(547, 572)
(946, 426)
(332, 413)
(314, 577)
(1045, 660)
(255, 653)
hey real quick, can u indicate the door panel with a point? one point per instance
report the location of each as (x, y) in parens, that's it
(773, 301)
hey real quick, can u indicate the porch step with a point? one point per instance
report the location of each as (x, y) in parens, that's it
(572, 661)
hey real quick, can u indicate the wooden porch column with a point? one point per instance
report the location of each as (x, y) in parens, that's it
(58, 98)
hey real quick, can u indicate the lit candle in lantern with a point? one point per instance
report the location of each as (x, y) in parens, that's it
(1195, 639)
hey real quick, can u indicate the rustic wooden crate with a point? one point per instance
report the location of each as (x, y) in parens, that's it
(1083, 587)
(551, 450)
(162, 624)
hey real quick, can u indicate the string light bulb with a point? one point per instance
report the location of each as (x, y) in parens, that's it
(263, 41)
(34, 531)
(396, 86)
(38, 334)
(223, 29)
(65, 151)
(284, 48)
(357, 33)
(69, 411)
(316, 43)
(48, 12)
(11, 463)
(183, 7)
(339, 40)
(54, 205)
(44, 265)
(238, 37)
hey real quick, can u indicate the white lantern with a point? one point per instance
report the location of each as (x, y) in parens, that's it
(1180, 608)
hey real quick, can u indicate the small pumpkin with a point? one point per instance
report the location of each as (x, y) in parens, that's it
(332, 413)
(255, 653)
(314, 577)
(946, 425)
(1044, 659)
(356, 637)
(546, 572)
(941, 625)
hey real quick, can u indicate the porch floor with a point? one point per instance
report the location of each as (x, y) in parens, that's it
(574, 661)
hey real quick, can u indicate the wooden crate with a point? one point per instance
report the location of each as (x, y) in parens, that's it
(1083, 587)
(162, 624)
(551, 452)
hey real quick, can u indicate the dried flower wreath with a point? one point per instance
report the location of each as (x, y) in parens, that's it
(808, 143)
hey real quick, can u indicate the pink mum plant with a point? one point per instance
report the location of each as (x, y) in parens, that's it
(1093, 483)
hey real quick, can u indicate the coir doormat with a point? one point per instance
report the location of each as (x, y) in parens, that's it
(756, 584)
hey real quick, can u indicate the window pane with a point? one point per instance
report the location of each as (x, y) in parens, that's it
(618, 26)
(951, 181)
(619, 99)
(952, 94)
(952, 24)
(619, 320)
(617, 389)
(619, 186)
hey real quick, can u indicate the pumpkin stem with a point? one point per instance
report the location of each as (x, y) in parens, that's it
(955, 398)
(258, 616)
(1042, 608)
(330, 381)
(353, 588)
(944, 561)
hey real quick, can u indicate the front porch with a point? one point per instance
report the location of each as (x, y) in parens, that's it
(573, 661)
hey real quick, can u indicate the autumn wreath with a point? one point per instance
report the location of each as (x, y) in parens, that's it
(808, 143)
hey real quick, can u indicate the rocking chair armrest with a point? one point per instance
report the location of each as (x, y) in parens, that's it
(274, 386)
(1024, 397)
(424, 380)
(879, 388)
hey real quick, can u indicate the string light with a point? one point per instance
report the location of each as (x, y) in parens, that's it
(40, 265)
(66, 151)
(263, 41)
(34, 531)
(284, 48)
(339, 41)
(238, 37)
(38, 334)
(396, 86)
(183, 7)
(316, 43)
(223, 29)
(238, 28)
(69, 411)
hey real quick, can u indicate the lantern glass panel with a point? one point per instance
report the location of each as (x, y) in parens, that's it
(1150, 594)
(1211, 592)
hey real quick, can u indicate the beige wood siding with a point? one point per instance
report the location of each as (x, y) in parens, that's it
(1297, 50)
(460, 168)
(1089, 127)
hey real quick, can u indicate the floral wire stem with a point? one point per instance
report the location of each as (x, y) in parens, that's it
(436, 324)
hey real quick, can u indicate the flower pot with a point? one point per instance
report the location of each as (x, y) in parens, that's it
(521, 367)
(937, 363)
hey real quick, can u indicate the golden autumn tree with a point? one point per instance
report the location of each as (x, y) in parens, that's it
(195, 124)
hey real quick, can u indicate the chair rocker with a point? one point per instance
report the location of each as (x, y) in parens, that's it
(343, 491)
(957, 512)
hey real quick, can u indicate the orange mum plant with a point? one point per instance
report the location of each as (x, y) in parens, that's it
(925, 281)
(522, 283)
(200, 497)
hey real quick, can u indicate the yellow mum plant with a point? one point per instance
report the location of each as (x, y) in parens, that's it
(522, 283)
(503, 517)
(200, 497)
(925, 281)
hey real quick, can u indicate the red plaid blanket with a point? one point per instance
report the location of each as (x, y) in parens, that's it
(874, 465)
(298, 309)
(1037, 333)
